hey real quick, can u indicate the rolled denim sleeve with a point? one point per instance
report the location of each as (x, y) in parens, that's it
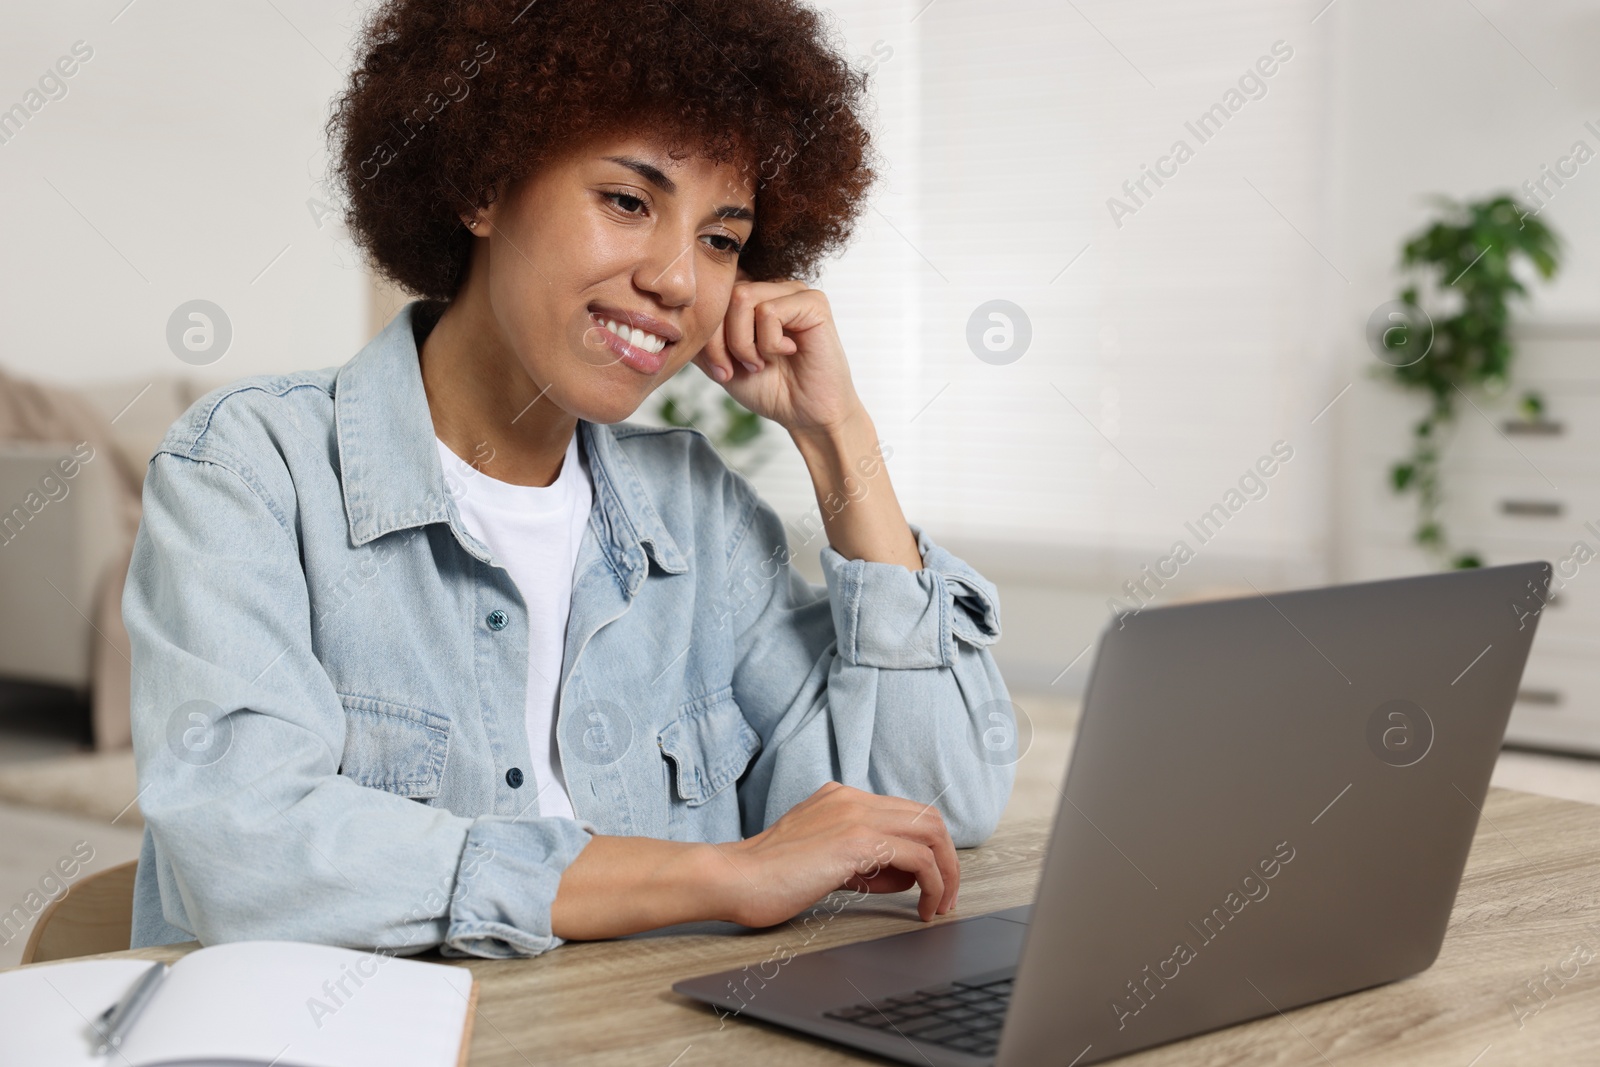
(264, 837)
(881, 679)
(888, 616)
(506, 882)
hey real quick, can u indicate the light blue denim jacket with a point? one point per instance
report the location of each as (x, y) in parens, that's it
(329, 673)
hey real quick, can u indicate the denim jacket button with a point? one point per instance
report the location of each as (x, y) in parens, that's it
(496, 619)
(514, 778)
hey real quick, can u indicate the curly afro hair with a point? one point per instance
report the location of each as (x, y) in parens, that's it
(452, 98)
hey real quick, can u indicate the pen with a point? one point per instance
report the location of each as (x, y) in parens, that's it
(113, 1023)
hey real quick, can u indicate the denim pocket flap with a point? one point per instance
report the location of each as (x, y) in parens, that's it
(711, 744)
(393, 747)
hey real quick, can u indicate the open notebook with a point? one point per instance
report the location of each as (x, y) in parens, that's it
(286, 1003)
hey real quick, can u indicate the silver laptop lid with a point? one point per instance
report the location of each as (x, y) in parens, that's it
(1270, 802)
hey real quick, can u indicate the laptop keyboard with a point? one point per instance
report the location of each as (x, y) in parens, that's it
(964, 1016)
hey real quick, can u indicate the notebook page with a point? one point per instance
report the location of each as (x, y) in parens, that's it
(43, 1009)
(304, 1005)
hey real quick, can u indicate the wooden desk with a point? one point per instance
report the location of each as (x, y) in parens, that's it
(1530, 894)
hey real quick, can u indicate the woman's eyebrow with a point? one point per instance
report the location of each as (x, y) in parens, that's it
(648, 171)
(653, 174)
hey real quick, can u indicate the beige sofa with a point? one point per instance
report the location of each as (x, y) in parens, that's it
(72, 464)
(64, 556)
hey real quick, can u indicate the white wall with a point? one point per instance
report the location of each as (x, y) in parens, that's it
(178, 165)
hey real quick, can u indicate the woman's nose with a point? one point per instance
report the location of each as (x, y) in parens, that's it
(669, 273)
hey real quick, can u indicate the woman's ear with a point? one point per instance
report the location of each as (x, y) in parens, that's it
(484, 215)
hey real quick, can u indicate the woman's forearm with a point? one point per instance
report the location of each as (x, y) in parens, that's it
(623, 885)
(859, 509)
(838, 837)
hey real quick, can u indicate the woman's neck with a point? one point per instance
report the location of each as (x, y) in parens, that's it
(485, 407)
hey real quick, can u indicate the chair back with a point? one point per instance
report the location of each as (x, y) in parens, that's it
(95, 915)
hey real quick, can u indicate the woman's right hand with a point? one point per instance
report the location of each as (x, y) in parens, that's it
(842, 838)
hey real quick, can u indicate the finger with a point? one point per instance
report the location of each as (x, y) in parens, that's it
(944, 852)
(709, 369)
(898, 863)
(799, 308)
(944, 848)
(924, 823)
(714, 359)
(929, 830)
(739, 322)
(738, 326)
(918, 859)
(900, 817)
(770, 339)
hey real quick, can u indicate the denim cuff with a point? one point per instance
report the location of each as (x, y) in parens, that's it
(506, 883)
(885, 615)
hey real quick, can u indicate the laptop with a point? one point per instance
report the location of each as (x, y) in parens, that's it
(1270, 803)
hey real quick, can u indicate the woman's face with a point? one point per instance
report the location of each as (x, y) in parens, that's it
(614, 231)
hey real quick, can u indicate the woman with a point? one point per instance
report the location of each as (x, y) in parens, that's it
(433, 649)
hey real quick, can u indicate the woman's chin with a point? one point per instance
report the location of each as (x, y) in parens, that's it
(608, 402)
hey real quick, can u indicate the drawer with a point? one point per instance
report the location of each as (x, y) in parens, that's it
(1558, 703)
(1493, 436)
(1493, 505)
(1556, 354)
(1564, 443)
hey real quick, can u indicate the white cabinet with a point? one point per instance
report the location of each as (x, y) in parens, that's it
(1514, 491)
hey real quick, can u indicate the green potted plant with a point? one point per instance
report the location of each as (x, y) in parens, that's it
(1465, 258)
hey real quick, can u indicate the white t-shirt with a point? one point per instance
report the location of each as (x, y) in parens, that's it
(534, 532)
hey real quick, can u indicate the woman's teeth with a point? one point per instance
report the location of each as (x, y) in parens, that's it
(649, 342)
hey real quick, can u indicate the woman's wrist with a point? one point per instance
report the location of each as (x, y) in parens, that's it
(830, 451)
(859, 509)
(728, 887)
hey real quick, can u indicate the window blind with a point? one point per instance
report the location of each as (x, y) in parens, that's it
(1172, 319)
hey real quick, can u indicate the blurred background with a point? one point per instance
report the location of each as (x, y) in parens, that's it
(1120, 253)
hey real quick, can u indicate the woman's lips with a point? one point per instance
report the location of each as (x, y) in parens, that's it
(636, 358)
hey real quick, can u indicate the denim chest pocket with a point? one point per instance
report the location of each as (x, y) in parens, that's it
(710, 744)
(393, 747)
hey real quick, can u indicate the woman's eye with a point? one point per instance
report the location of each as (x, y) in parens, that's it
(733, 244)
(619, 198)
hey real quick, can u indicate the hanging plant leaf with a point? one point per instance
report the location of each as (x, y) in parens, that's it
(1470, 251)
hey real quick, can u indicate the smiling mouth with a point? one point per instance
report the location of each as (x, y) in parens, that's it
(643, 340)
(639, 350)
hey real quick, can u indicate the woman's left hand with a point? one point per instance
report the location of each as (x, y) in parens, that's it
(782, 356)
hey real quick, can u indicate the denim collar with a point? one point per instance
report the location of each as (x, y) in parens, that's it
(393, 479)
